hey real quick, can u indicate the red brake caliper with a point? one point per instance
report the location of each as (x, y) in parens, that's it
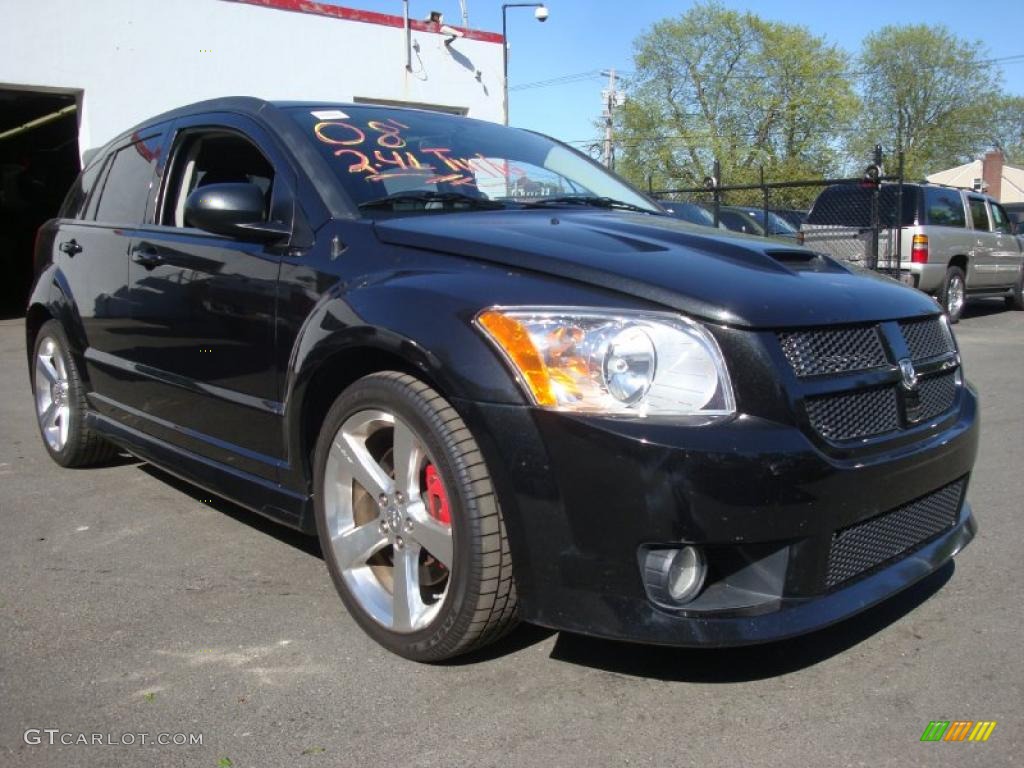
(437, 499)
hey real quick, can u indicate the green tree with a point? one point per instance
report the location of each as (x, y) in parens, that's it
(1006, 129)
(928, 91)
(716, 83)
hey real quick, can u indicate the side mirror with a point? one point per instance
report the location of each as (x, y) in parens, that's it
(235, 210)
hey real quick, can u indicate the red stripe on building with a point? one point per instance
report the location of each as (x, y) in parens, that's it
(367, 17)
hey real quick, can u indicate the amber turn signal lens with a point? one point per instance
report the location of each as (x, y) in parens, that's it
(514, 340)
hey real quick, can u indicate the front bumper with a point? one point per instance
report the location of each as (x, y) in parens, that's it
(582, 495)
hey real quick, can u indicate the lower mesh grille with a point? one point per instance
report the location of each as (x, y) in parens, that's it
(855, 414)
(873, 542)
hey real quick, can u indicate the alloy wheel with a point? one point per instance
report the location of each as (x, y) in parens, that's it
(53, 406)
(955, 296)
(388, 520)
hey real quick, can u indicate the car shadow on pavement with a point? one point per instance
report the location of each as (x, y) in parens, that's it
(984, 308)
(119, 459)
(283, 533)
(735, 665)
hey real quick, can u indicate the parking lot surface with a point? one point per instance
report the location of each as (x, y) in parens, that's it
(131, 603)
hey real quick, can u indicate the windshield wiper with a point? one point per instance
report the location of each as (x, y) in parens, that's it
(594, 201)
(427, 196)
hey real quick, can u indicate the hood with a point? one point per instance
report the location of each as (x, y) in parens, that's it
(731, 279)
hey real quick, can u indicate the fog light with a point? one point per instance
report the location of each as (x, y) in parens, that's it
(673, 576)
(686, 574)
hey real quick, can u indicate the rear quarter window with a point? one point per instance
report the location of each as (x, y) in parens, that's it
(944, 207)
(74, 203)
(127, 184)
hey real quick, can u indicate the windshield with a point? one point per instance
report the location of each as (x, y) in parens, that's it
(426, 161)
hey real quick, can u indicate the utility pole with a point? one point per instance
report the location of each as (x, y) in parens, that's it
(612, 98)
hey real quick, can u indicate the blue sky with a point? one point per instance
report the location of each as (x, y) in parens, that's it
(583, 35)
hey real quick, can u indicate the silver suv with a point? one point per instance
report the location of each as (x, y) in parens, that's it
(956, 244)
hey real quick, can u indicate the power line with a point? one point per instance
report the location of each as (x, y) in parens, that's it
(562, 80)
(592, 74)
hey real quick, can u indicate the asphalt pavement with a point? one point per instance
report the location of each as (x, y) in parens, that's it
(136, 608)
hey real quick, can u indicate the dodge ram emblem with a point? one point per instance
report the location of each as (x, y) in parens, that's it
(909, 374)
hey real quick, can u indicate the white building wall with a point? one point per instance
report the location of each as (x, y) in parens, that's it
(133, 59)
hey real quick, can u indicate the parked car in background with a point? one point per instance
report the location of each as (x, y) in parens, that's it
(771, 224)
(737, 220)
(751, 221)
(691, 212)
(498, 382)
(956, 244)
(794, 216)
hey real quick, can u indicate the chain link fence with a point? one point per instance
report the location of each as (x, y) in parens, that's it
(851, 219)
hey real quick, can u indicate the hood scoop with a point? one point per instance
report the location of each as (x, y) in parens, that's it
(803, 260)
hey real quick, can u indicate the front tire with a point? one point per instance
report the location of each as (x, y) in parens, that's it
(60, 402)
(409, 524)
(953, 294)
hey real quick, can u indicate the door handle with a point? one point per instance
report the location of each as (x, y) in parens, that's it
(70, 247)
(147, 256)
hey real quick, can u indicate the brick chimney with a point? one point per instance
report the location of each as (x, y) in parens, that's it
(992, 172)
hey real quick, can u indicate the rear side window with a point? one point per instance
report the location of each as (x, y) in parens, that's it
(126, 188)
(1000, 221)
(944, 207)
(979, 217)
(849, 205)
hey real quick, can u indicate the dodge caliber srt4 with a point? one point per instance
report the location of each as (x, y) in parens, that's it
(498, 382)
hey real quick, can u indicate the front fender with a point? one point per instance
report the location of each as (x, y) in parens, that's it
(418, 321)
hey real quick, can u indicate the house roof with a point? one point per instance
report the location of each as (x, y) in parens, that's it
(964, 175)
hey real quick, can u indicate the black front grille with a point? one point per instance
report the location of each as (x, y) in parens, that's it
(853, 415)
(938, 393)
(880, 406)
(833, 350)
(873, 542)
(926, 338)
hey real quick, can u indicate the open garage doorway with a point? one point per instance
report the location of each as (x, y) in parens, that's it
(39, 160)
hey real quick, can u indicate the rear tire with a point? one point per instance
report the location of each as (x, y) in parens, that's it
(409, 524)
(953, 294)
(60, 402)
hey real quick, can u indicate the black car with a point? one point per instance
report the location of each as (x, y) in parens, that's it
(497, 381)
(792, 216)
(691, 212)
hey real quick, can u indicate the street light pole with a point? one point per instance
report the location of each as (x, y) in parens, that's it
(540, 16)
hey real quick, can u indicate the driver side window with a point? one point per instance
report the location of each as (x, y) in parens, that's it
(214, 157)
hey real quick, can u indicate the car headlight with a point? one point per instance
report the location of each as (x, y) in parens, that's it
(613, 362)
